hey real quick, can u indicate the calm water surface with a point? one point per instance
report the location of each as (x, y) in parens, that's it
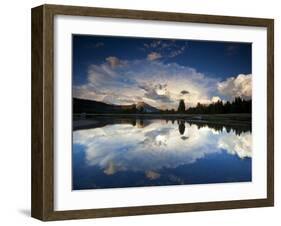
(159, 152)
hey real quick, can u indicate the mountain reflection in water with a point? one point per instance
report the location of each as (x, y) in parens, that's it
(115, 153)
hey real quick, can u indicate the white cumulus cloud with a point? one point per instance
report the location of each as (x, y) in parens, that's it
(215, 99)
(237, 145)
(240, 85)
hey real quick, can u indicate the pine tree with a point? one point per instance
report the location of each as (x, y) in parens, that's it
(181, 107)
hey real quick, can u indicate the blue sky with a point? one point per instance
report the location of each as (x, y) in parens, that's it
(126, 70)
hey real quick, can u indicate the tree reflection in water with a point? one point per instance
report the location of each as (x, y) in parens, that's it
(181, 126)
(236, 127)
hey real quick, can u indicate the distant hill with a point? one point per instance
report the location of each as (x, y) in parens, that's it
(146, 108)
(91, 106)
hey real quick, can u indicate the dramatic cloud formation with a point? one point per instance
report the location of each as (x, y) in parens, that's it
(161, 85)
(236, 86)
(151, 148)
(160, 72)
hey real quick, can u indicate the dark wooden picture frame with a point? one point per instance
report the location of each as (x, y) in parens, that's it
(43, 109)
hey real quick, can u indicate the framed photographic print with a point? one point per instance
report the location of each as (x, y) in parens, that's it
(140, 112)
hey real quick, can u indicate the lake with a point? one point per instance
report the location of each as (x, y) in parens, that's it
(127, 152)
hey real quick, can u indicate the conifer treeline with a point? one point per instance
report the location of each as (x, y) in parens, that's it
(238, 105)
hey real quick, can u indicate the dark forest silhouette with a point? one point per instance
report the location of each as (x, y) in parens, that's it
(238, 105)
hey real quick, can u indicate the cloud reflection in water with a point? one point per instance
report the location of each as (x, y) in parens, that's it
(158, 145)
